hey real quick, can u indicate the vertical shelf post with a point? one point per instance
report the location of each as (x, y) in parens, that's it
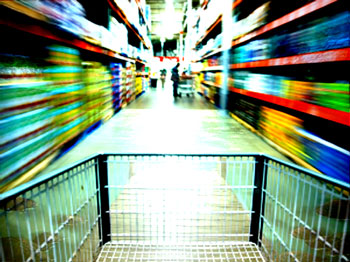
(226, 45)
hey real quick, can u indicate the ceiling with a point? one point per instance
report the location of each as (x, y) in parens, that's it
(167, 20)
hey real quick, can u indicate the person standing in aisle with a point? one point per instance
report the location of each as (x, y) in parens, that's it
(163, 76)
(175, 77)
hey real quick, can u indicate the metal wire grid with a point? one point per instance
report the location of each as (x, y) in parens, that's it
(180, 200)
(163, 214)
(183, 201)
(202, 251)
(299, 216)
(305, 219)
(55, 221)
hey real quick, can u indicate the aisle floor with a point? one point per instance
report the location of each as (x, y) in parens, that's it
(157, 123)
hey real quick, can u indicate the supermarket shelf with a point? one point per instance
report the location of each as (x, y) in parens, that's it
(337, 116)
(116, 55)
(209, 83)
(295, 158)
(140, 61)
(48, 33)
(214, 52)
(296, 14)
(217, 21)
(203, 6)
(122, 15)
(236, 3)
(24, 10)
(142, 13)
(214, 68)
(336, 55)
(205, 3)
(27, 176)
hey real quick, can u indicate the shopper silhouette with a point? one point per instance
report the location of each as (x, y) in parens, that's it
(163, 76)
(175, 77)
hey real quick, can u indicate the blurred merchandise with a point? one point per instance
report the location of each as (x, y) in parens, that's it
(117, 85)
(288, 132)
(208, 16)
(62, 76)
(279, 8)
(197, 83)
(213, 61)
(280, 128)
(256, 19)
(138, 85)
(130, 85)
(65, 74)
(123, 87)
(211, 45)
(42, 108)
(322, 34)
(330, 95)
(325, 156)
(247, 111)
(120, 33)
(218, 78)
(47, 104)
(27, 128)
(145, 79)
(131, 11)
(70, 16)
(148, 14)
(333, 95)
(142, 80)
(98, 92)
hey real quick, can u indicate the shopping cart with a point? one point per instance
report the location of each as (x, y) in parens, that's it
(121, 207)
(186, 85)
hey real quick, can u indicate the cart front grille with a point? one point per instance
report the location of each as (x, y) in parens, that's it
(117, 207)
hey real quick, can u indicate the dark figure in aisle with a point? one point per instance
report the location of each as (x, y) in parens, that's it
(175, 77)
(163, 76)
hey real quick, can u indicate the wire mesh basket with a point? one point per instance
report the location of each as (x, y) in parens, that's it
(118, 207)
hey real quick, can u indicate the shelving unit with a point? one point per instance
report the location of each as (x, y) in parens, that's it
(212, 53)
(340, 117)
(209, 83)
(121, 14)
(57, 87)
(328, 56)
(25, 10)
(213, 68)
(217, 21)
(291, 17)
(269, 82)
(52, 32)
(236, 3)
(142, 13)
(213, 26)
(205, 3)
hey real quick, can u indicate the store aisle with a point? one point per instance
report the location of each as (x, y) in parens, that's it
(156, 123)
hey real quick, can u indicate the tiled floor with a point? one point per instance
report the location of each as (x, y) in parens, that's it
(156, 123)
